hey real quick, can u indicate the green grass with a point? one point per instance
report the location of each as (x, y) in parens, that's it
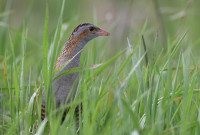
(142, 88)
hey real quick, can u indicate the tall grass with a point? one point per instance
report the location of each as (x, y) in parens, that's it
(142, 89)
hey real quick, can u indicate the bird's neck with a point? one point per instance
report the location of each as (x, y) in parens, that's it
(76, 53)
(73, 58)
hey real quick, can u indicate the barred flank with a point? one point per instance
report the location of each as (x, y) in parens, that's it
(42, 111)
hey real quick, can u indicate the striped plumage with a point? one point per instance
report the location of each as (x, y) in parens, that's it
(42, 111)
(66, 85)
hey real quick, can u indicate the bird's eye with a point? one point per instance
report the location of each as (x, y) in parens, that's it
(91, 28)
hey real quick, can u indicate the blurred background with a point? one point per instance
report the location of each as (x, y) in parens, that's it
(172, 37)
(165, 20)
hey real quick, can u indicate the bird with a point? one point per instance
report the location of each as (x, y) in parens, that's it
(66, 85)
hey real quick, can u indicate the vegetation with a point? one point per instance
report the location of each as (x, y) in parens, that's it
(143, 79)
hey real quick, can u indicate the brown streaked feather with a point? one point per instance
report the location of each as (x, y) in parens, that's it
(69, 47)
(66, 52)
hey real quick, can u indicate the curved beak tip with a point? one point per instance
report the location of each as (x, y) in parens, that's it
(103, 33)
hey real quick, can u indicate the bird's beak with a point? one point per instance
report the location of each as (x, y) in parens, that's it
(103, 33)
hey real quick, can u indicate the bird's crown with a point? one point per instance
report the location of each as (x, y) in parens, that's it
(81, 25)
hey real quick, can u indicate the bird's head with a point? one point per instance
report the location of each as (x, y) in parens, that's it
(87, 31)
(80, 36)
